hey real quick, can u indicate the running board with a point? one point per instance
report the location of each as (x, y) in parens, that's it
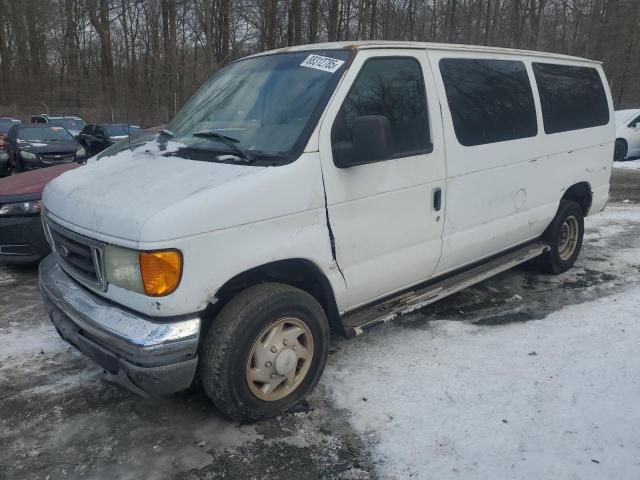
(358, 322)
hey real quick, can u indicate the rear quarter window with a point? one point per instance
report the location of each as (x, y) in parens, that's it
(571, 97)
(489, 100)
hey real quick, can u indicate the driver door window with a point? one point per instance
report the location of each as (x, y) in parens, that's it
(392, 88)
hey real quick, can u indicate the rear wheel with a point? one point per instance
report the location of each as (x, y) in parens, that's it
(564, 237)
(264, 352)
(620, 151)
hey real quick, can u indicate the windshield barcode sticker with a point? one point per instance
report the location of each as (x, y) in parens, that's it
(326, 64)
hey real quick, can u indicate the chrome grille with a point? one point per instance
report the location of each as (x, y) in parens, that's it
(80, 256)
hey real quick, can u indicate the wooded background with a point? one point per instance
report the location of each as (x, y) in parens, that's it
(102, 58)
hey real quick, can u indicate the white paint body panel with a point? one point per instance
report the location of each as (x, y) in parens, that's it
(382, 213)
(502, 194)
(227, 219)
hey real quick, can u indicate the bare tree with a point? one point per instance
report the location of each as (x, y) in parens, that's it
(145, 57)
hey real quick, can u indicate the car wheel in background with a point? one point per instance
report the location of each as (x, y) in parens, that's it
(564, 237)
(264, 352)
(18, 166)
(620, 150)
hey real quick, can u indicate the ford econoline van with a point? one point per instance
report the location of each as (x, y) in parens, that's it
(330, 187)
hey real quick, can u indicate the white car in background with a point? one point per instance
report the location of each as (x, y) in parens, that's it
(627, 135)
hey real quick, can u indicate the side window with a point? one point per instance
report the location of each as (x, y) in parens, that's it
(86, 130)
(635, 122)
(571, 97)
(393, 88)
(490, 100)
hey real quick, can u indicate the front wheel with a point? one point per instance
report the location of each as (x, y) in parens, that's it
(264, 352)
(564, 237)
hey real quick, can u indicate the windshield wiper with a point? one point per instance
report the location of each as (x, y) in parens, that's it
(228, 141)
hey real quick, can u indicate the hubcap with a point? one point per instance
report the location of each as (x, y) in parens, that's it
(568, 238)
(279, 359)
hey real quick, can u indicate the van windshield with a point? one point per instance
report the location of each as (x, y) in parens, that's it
(264, 105)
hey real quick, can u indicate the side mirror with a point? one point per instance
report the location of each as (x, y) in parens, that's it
(372, 142)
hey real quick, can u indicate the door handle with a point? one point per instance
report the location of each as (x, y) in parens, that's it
(437, 199)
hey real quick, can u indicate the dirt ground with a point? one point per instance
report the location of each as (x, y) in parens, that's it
(60, 419)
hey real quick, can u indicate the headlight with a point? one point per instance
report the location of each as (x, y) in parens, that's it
(20, 209)
(81, 152)
(28, 155)
(155, 273)
(122, 268)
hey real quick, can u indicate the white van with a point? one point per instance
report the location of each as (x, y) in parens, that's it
(316, 188)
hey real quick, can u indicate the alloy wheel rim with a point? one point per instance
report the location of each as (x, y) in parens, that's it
(279, 359)
(568, 238)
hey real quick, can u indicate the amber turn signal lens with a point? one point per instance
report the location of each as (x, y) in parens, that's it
(161, 271)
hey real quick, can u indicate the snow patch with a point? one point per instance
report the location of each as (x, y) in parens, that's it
(16, 341)
(154, 147)
(553, 398)
(628, 165)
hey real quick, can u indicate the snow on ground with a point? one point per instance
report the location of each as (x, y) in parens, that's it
(629, 164)
(549, 398)
(15, 341)
(552, 398)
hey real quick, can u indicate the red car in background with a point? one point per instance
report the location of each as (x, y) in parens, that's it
(22, 238)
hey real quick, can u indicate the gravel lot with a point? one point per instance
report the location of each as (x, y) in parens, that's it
(59, 419)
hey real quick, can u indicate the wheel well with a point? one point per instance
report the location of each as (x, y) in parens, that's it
(580, 193)
(297, 272)
(623, 141)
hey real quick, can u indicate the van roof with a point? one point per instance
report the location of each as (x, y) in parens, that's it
(453, 47)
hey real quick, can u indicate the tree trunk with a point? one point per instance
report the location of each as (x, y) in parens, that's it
(372, 20)
(333, 20)
(100, 22)
(313, 20)
(224, 30)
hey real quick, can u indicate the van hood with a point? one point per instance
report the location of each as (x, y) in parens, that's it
(115, 196)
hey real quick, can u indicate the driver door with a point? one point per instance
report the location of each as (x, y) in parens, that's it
(386, 215)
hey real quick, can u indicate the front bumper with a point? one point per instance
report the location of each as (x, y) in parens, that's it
(22, 240)
(159, 357)
(39, 162)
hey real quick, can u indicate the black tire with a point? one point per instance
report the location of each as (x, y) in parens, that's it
(563, 254)
(19, 167)
(620, 151)
(232, 335)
